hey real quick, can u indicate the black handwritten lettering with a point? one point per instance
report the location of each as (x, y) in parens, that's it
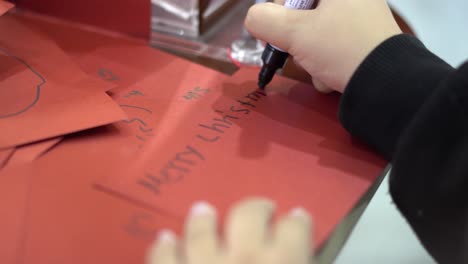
(190, 151)
(140, 138)
(246, 103)
(183, 162)
(177, 170)
(135, 120)
(258, 92)
(225, 119)
(138, 226)
(171, 164)
(191, 95)
(215, 127)
(252, 96)
(151, 182)
(137, 107)
(107, 74)
(196, 93)
(172, 177)
(134, 92)
(208, 139)
(243, 110)
(199, 89)
(179, 157)
(255, 96)
(145, 130)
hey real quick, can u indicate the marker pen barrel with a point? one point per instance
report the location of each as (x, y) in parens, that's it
(274, 58)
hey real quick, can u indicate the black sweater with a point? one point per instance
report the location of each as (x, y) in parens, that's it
(412, 107)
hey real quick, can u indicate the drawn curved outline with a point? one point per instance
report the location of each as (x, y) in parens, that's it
(133, 120)
(38, 87)
(145, 130)
(137, 107)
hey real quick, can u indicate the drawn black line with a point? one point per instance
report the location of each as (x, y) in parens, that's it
(140, 138)
(145, 130)
(137, 107)
(38, 87)
(107, 74)
(133, 120)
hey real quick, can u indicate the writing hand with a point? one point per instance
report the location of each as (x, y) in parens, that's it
(329, 42)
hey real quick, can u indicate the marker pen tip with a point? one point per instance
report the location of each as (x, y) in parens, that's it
(261, 85)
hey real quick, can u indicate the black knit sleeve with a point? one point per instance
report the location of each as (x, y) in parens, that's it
(413, 108)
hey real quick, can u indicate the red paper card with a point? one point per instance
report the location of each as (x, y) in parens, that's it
(286, 144)
(14, 187)
(43, 94)
(114, 58)
(117, 15)
(72, 222)
(28, 153)
(52, 214)
(5, 155)
(149, 81)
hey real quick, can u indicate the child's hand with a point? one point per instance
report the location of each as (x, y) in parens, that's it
(249, 237)
(330, 41)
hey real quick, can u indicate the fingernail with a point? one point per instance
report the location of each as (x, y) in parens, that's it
(299, 211)
(202, 208)
(166, 236)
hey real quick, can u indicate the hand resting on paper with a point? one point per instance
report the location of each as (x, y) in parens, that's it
(249, 237)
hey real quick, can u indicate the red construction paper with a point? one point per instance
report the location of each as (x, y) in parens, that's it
(131, 18)
(98, 151)
(286, 145)
(28, 153)
(22, 33)
(51, 95)
(148, 82)
(117, 59)
(14, 187)
(5, 155)
(69, 221)
(72, 222)
(52, 214)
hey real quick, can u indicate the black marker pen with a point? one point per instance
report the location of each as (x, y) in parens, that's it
(274, 58)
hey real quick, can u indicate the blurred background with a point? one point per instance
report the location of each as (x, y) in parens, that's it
(382, 235)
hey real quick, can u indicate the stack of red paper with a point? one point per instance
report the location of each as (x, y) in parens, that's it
(105, 141)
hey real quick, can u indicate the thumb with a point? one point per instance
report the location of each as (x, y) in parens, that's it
(275, 24)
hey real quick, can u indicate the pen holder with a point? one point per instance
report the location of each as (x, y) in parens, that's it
(198, 27)
(186, 18)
